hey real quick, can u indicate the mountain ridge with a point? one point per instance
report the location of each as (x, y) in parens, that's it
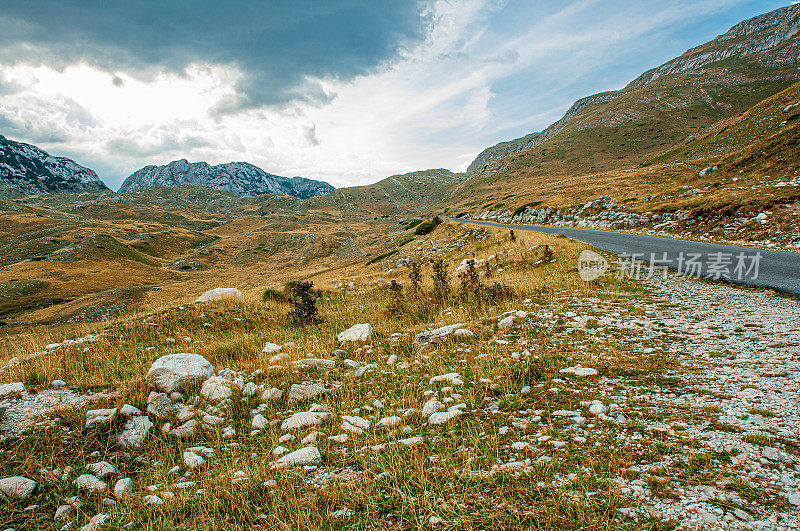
(27, 169)
(241, 178)
(765, 39)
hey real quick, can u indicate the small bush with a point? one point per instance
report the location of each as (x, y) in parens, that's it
(397, 304)
(273, 295)
(415, 276)
(304, 302)
(428, 226)
(441, 280)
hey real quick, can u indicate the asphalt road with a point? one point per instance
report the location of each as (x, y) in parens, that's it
(748, 266)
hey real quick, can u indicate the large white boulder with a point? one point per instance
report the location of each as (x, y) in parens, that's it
(16, 488)
(359, 332)
(304, 456)
(176, 372)
(217, 294)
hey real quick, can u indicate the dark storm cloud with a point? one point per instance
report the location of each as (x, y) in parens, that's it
(278, 44)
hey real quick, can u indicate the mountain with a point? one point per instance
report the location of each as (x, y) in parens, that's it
(753, 60)
(27, 169)
(239, 178)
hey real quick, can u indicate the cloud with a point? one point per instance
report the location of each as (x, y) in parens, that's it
(281, 46)
(479, 72)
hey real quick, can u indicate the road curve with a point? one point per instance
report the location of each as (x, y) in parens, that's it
(776, 270)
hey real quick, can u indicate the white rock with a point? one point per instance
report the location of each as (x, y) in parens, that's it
(412, 441)
(507, 322)
(359, 332)
(304, 456)
(598, 408)
(128, 410)
(11, 389)
(269, 348)
(305, 391)
(250, 389)
(215, 389)
(438, 335)
(453, 378)
(192, 460)
(16, 488)
(305, 419)
(63, 512)
(259, 422)
(100, 417)
(341, 438)
(90, 483)
(389, 422)
(431, 406)
(134, 432)
(58, 384)
(152, 499)
(443, 416)
(159, 405)
(185, 430)
(268, 395)
(219, 294)
(102, 469)
(178, 372)
(315, 362)
(463, 333)
(279, 359)
(123, 488)
(579, 371)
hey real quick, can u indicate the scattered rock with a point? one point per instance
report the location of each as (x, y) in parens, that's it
(90, 483)
(305, 391)
(437, 335)
(215, 389)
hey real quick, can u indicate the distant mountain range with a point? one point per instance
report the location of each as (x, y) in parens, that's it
(239, 178)
(27, 169)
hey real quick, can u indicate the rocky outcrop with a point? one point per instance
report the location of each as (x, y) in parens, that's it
(27, 169)
(239, 178)
(773, 32)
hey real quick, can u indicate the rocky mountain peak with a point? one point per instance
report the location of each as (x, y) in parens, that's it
(26, 169)
(240, 178)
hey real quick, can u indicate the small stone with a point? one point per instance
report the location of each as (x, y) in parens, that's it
(102, 469)
(431, 406)
(100, 417)
(269, 348)
(186, 430)
(123, 488)
(90, 483)
(134, 432)
(159, 405)
(215, 389)
(305, 419)
(192, 460)
(270, 395)
(443, 416)
(128, 410)
(63, 512)
(305, 391)
(304, 456)
(259, 422)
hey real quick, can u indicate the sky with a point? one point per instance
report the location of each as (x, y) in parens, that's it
(347, 91)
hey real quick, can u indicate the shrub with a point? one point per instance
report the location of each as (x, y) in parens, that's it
(441, 280)
(415, 275)
(273, 295)
(397, 304)
(428, 226)
(304, 302)
(470, 281)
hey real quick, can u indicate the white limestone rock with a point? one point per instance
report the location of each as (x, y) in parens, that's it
(359, 332)
(16, 488)
(217, 294)
(178, 372)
